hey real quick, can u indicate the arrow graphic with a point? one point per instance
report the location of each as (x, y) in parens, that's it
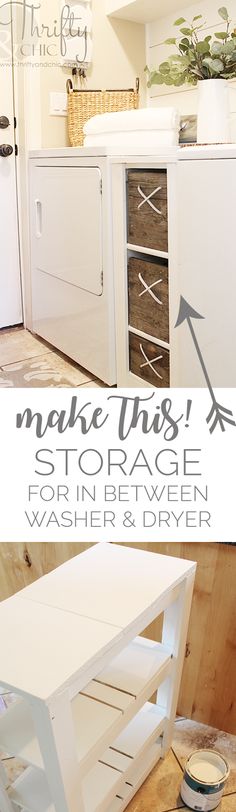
(218, 413)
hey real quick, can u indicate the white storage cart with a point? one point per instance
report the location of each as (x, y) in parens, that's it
(71, 651)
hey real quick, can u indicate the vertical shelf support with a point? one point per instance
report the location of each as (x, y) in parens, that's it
(174, 635)
(3, 775)
(55, 730)
(5, 803)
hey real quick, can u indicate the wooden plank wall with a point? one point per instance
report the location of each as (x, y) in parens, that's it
(209, 677)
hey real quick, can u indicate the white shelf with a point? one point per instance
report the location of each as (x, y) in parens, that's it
(115, 805)
(94, 724)
(109, 777)
(113, 758)
(141, 769)
(17, 734)
(135, 740)
(120, 776)
(152, 252)
(100, 711)
(128, 681)
(149, 337)
(124, 792)
(136, 666)
(139, 733)
(31, 793)
(111, 696)
(99, 787)
(140, 773)
(142, 11)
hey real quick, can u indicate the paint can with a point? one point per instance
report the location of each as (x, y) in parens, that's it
(205, 775)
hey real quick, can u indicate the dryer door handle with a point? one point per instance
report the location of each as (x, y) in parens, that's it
(38, 218)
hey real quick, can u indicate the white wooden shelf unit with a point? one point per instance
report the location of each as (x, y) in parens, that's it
(82, 723)
(144, 309)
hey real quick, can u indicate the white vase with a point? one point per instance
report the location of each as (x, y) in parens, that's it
(213, 126)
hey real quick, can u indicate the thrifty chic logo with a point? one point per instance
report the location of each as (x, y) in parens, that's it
(37, 38)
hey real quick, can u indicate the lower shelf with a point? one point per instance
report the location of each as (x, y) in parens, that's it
(146, 726)
(100, 711)
(137, 778)
(114, 779)
(124, 758)
(30, 794)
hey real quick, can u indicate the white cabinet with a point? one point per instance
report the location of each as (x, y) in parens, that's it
(71, 257)
(197, 262)
(83, 724)
(145, 263)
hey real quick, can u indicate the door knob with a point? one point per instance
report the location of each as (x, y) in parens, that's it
(5, 150)
(4, 122)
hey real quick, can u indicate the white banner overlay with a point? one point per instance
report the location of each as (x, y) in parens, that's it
(120, 465)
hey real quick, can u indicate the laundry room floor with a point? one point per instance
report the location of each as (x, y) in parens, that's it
(27, 361)
(160, 792)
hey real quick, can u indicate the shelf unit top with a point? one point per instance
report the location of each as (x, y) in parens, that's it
(62, 625)
(41, 647)
(109, 583)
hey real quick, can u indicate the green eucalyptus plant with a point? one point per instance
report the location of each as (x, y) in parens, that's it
(213, 57)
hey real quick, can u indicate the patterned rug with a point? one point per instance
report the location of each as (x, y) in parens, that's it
(25, 361)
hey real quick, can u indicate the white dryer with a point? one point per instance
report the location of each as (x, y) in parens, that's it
(71, 256)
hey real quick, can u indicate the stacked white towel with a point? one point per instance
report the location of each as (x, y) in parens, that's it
(149, 127)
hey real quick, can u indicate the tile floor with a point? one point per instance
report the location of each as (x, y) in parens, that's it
(160, 792)
(27, 361)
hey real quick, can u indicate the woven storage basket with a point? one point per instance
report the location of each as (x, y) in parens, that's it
(83, 104)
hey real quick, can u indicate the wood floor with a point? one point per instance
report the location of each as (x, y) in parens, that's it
(27, 361)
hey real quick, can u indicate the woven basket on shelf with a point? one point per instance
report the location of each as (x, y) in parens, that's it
(83, 104)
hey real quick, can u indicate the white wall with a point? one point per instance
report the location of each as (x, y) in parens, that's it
(185, 99)
(118, 57)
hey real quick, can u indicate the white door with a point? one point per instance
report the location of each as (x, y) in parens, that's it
(67, 225)
(10, 284)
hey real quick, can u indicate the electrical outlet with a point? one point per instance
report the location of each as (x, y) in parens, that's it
(58, 104)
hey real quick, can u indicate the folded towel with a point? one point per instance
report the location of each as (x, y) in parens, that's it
(133, 141)
(148, 118)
